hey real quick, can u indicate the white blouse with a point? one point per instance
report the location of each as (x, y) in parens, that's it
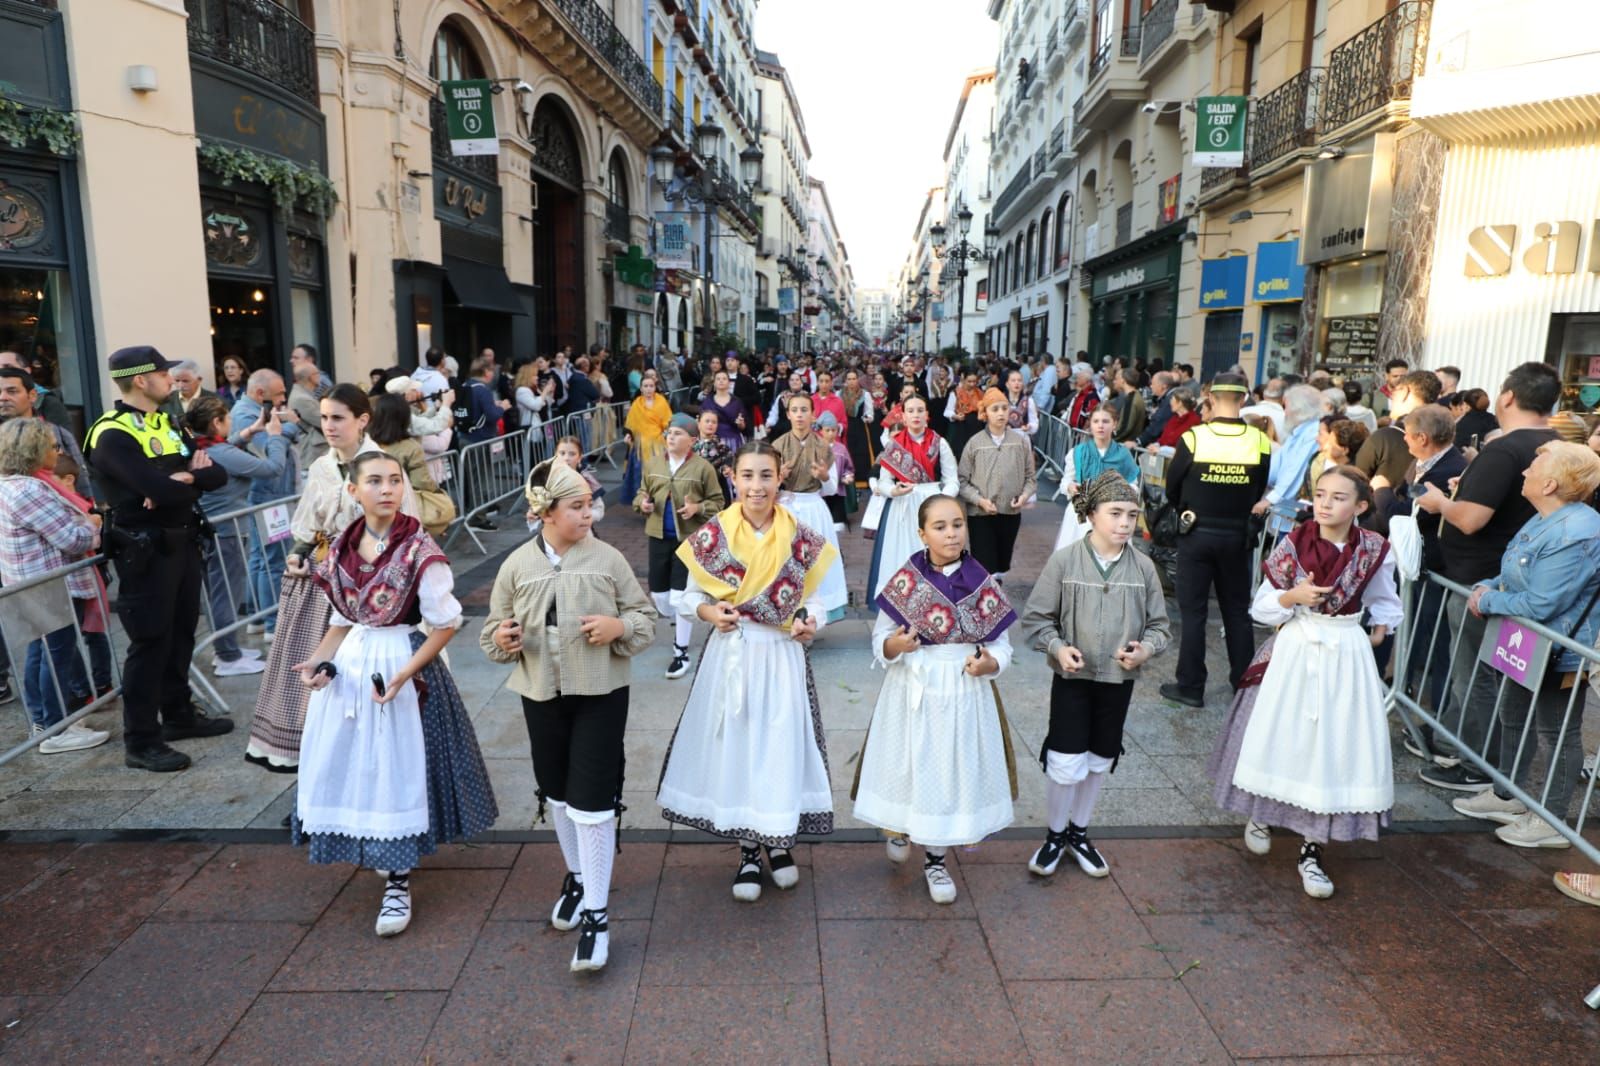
(435, 597)
(1380, 598)
(325, 507)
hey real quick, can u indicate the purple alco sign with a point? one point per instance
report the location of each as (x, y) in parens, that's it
(1515, 651)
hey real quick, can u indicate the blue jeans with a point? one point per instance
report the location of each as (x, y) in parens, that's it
(266, 572)
(99, 645)
(40, 676)
(225, 591)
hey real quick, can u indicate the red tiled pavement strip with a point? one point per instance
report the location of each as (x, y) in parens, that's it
(1436, 949)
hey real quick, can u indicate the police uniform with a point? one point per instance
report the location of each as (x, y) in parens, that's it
(157, 553)
(1218, 474)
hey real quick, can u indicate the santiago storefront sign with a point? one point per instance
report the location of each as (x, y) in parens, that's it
(469, 117)
(1220, 131)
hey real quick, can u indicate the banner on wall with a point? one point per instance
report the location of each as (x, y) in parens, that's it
(788, 300)
(673, 250)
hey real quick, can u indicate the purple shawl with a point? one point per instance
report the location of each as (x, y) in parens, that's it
(966, 607)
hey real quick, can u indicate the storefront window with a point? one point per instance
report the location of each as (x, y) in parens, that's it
(1351, 295)
(1575, 350)
(241, 322)
(36, 322)
(1279, 341)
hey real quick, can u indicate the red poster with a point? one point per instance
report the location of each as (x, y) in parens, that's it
(1169, 200)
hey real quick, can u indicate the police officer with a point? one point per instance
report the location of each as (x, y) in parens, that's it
(150, 476)
(1218, 474)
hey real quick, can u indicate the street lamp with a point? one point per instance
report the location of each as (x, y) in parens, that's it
(961, 253)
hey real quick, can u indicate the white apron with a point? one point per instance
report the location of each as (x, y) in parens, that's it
(810, 510)
(1318, 737)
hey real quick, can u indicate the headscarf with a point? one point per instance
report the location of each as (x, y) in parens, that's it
(1109, 487)
(562, 482)
(993, 396)
(686, 423)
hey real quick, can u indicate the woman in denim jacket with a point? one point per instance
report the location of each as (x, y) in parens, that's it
(1549, 574)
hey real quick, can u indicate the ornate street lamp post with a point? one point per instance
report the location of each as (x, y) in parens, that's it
(961, 253)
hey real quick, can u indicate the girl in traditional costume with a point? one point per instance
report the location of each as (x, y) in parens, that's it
(732, 418)
(1098, 614)
(748, 759)
(325, 510)
(937, 768)
(859, 436)
(915, 464)
(390, 765)
(808, 475)
(646, 423)
(1306, 744)
(568, 612)
(1087, 461)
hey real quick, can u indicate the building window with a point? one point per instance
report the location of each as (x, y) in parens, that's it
(1044, 244)
(1063, 251)
(453, 56)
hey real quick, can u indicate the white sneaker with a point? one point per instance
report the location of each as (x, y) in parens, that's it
(1257, 837)
(747, 882)
(76, 737)
(1489, 807)
(255, 628)
(250, 653)
(1531, 831)
(899, 849)
(395, 914)
(238, 668)
(1313, 879)
(941, 888)
(594, 942)
(1090, 861)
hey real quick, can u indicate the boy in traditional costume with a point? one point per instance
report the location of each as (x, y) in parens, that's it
(1098, 614)
(997, 482)
(568, 612)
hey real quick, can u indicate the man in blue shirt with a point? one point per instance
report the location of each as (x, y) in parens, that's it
(482, 422)
(264, 391)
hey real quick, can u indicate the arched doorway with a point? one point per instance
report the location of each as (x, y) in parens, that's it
(559, 261)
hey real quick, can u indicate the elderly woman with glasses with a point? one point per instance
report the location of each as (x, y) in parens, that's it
(1550, 573)
(40, 532)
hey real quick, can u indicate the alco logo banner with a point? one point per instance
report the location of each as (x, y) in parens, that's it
(469, 116)
(1219, 131)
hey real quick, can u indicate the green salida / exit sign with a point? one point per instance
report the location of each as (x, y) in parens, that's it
(469, 117)
(1220, 130)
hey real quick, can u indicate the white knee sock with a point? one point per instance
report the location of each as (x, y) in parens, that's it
(1058, 804)
(566, 833)
(663, 602)
(683, 632)
(597, 847)
(1083, 799)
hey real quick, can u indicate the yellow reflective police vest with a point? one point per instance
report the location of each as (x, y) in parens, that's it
(1224, 452)
(154, 431)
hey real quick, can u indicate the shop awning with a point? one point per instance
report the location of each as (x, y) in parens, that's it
(481, 287)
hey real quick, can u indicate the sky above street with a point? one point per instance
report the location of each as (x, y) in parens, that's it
(878, 82)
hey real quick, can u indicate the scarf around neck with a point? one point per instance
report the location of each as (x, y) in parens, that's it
(381, 592)
(911, 461)
(965, 606)
(768, 577)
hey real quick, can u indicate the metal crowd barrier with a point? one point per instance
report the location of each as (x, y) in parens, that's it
(42, 606)
(1473, 707)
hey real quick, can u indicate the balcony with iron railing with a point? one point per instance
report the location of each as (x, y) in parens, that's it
(1074, 22)
(594, 26)
(1013, 189)
(1285, 119)
(618, 227)
(484, 167)
(259, 37)
(1130, 39)
(1100, 59)
(1159, 23)
(1058, 140)
(1377, 65)
(677, 124)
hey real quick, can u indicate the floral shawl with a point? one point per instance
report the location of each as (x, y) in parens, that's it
(768, 578)
(964, 607)
(384, 591)
(909, 461)
(1302, 554)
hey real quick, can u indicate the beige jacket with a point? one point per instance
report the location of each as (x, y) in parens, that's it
(997, 472)
(594, 579)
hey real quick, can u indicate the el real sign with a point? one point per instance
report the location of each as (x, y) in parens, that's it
(1220, 130)
(469, 117)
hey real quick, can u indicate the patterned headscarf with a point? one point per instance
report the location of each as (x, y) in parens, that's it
(1109, 487)
(560, 483)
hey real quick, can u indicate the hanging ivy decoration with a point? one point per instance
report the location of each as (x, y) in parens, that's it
(22, 126)
(292, 185)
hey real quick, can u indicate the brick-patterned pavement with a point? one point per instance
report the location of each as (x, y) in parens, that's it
(1436, 949)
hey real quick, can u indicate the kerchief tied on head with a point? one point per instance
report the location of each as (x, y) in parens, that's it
(561, 483)
(1109, 487)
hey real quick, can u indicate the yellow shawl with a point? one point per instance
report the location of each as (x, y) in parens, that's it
(648, 423)
(726, 544)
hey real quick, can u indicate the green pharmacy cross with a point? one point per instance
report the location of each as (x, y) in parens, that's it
(634, 268)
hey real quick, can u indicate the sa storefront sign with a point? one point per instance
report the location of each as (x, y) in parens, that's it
(1491, 250)
(1515, 651)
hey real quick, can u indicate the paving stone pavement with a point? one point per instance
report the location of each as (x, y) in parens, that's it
(1442, 948)
(1160, 782)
